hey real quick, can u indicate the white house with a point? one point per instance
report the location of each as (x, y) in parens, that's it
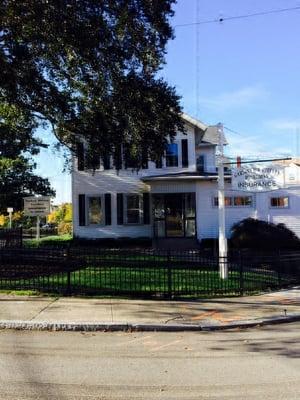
(174, 199)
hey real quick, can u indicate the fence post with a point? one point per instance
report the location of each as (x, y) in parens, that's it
(241, 274)
(67, 261)
(279, 268)
(169, 269)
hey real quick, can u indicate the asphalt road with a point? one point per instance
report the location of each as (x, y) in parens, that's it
(255, 364)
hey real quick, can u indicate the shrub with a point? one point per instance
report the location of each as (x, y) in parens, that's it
(64, 228)
(261, 235)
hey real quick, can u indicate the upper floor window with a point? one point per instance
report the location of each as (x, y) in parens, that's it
(172, 155)
(200, 163)
(279, 202)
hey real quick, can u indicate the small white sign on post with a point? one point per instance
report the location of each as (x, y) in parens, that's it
(258, 178)
(36, 206)
(10, 210)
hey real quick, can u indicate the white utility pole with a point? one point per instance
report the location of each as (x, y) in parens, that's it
(223, 268)
(38, 236)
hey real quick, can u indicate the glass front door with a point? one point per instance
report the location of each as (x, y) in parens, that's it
(174, 215)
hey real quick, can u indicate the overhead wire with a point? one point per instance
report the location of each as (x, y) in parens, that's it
(242, 16)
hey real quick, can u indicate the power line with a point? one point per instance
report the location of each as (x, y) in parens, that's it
(243, 16)
(233, 131)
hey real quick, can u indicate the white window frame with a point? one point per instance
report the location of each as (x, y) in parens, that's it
(178, 156)
(101, 196)
(204, 162)
(279, 207)
(126, 195)
(232, 201)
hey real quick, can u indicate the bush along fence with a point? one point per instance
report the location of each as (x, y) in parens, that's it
(140, 273)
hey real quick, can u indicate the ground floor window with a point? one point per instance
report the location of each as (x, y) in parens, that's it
(133, 209)
(279, 202)
(95, 211)
(235, 201)
(174, 215)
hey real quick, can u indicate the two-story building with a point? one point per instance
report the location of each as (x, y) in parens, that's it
(175, 198)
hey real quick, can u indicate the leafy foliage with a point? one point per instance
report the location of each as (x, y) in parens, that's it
(89, 68)
(62, 214)
(261, 235)
(17, 180)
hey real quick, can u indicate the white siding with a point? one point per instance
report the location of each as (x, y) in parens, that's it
(125, 181)
(207, 214)
(172, 187)
(99, 184)
(209, 157)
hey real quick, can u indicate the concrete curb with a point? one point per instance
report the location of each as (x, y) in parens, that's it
(136, 327)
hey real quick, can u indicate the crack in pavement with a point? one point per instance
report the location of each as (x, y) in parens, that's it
(45, 308)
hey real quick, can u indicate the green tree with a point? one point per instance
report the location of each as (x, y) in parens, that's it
(17, 177)
(89, 68)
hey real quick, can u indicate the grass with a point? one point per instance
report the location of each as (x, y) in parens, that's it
(145, 282)
(49, 241)
(21, 292)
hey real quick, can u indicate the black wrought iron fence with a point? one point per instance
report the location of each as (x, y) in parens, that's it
(147, 272)
(10, 237)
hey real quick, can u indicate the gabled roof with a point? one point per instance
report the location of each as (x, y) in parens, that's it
(210, 133)
(194, 121)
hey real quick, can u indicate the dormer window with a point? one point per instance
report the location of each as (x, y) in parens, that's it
(172, 155)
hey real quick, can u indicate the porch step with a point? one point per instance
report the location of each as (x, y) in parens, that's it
(176, 243)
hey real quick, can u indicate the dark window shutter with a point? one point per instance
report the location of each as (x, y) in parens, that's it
(144, 159)
(81, 209)
(146, 208)
(118, 157)
(158, 163)
(92, 161)
(107, 198)
(80, 156)
(184, 152)
(106, 161)
(120, 208)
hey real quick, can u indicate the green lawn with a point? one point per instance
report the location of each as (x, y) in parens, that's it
(49, 241)
(146, 281)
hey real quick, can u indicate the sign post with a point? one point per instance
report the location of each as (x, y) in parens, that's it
(10, 210)
(223, 268)
(37, 207)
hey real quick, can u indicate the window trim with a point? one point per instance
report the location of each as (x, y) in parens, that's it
(101, 196)
(232, 197)
(166, 157)
(279, 207)
(204, 162)
(141, 209)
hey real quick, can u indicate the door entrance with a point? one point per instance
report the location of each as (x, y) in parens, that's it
(174, 215)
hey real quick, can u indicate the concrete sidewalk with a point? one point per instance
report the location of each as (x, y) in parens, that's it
(67, 313)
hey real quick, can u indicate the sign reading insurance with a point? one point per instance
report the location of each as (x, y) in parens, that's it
(36, 206)
(258, 178)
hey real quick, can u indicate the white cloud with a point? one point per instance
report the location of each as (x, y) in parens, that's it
(236, 99)
(283, 124)
(254, 147)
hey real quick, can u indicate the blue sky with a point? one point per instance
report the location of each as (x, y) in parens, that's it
(243, 73)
